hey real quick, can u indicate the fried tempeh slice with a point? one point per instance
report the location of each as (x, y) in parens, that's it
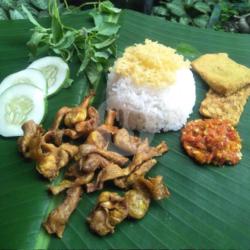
(221, 73)
(57, 219)
(225, 107)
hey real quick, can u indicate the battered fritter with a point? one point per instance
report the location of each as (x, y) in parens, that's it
(221, 73)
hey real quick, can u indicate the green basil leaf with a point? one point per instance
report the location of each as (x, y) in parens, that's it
(15, 14)
(201, 21)
(107, 6)
(105, 43)
(66, 41)
(40, 4)
(84, 63)
(30, 17)
(202, 7)
(3, 15)
(36, 40)
(97, 17)
(101, 56)
(56, 24)
(108, 29)
(111, 18)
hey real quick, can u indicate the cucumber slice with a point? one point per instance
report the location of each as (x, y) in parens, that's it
(55, 71)
(18, 104)
(27, 76)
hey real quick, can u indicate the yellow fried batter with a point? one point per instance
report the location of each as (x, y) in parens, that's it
(225, 107)
(221, 73)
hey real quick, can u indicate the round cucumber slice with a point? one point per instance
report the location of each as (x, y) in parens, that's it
(18, 104)
(27, 76)
(55, 71)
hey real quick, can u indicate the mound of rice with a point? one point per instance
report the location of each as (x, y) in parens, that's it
(147, 107)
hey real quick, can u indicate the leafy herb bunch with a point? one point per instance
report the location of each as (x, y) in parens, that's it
(217, 14)
(92, 46)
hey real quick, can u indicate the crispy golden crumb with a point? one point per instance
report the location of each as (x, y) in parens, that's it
(225, 107)
(221, 73)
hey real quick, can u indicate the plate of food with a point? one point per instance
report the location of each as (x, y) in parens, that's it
(123, 131)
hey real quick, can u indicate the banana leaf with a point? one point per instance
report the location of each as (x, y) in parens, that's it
(209, 207)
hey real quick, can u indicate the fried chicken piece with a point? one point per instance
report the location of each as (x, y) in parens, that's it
(111, 209)
(126, 142)
(57, 219)
(86, 149)
(137, 202)
(154, 187)
(212, 141)
(221, 73)
(65, 184)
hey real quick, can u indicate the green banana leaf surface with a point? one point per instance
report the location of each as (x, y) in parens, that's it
(209, 207)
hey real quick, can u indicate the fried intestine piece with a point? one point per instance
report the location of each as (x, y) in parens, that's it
(54, 158)
(111, 209)
(78, 121)
(65, 184)
(57, 219)
(28, 142)
(126, 142)
(141, 163)
(141, 170)
(86, 149)
(49, 158)
(138, 203)
(154, 187)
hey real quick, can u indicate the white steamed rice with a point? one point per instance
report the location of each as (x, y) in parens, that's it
(150, 109)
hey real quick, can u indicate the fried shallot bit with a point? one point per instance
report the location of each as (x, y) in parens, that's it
(65, 184)
(111, 210)
(154, 187)
(57, 219)
(126, 142)
(138, 203)
(86, 149)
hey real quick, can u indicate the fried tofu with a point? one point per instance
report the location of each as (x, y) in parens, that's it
(221, 73)
(225, 107)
